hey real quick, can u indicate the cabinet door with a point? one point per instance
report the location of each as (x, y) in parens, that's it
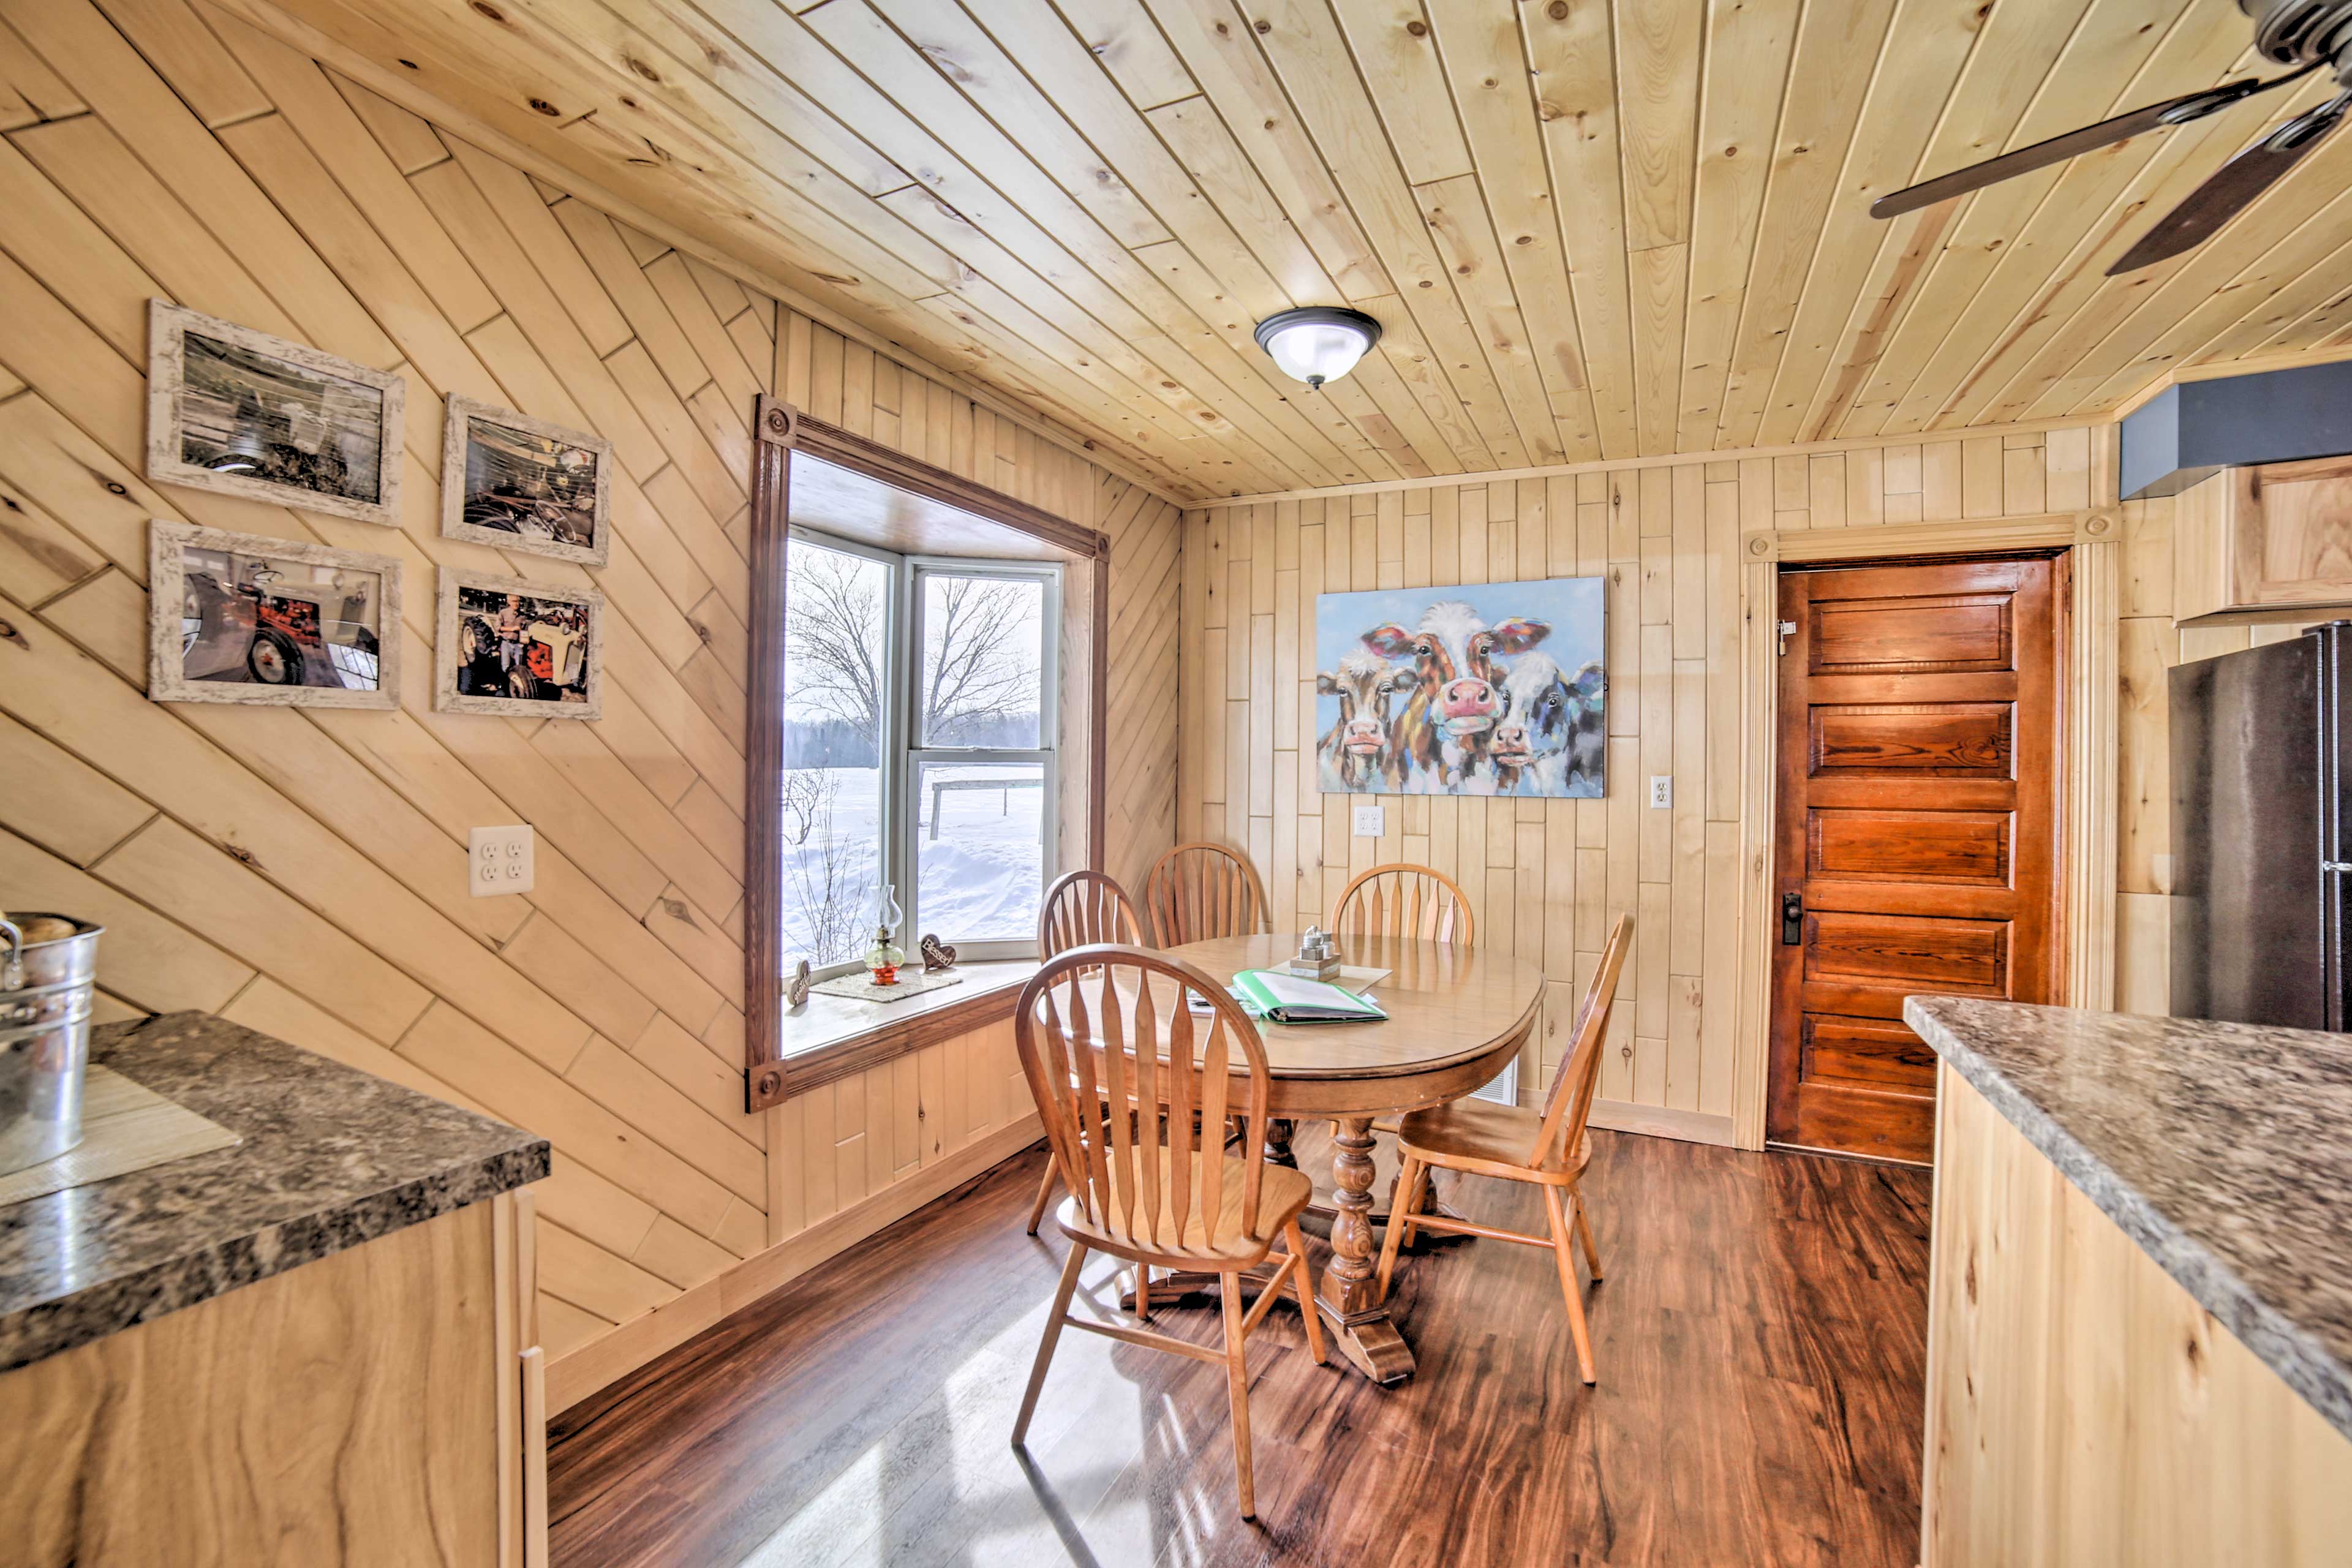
(2295, 545)
(2268, 543)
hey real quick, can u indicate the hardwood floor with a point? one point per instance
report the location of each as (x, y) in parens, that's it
(1760, 1336)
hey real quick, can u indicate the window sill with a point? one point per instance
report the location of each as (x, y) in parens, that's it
(832, 1038)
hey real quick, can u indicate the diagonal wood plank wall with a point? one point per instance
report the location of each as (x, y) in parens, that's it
(302, 871)
(1548, 876)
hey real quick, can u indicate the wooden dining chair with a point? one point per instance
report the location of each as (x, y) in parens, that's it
(1405, 901)
(1082, 908)
(1196, 891)
(1547, 1150)
(1099, 1029)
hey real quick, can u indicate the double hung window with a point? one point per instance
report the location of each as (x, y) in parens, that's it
(919, 732)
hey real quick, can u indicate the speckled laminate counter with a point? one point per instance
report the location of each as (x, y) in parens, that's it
(331, 1158)
(2223, 1149)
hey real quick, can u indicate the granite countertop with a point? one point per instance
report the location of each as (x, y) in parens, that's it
(332, 1157)
(2223, 1149)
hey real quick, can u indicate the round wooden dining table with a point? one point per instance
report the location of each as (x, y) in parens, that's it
(1456, 1016)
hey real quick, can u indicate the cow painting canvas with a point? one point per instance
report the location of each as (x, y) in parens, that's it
(1485, 688)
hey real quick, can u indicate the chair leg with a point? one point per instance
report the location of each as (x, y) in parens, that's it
(1298, 1244)
(1584, 1235)
(1401, 1202)
(1061, 1294)
(1563, 1253)
(1143, 1292)
(1237, 1384)
(1045, 1195)
(1417, 1194)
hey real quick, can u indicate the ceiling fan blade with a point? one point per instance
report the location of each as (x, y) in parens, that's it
(2232, 187)
(2179, 110)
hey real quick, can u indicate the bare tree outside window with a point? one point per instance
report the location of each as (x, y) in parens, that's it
(833, 637)
(835, 653)
(980, 661)
(823, 889)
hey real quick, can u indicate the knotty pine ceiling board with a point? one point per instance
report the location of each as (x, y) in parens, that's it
(1592, 228)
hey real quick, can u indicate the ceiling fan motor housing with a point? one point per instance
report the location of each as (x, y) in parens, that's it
(2304, 32)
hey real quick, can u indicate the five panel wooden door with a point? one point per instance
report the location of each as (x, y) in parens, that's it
(1916, 833)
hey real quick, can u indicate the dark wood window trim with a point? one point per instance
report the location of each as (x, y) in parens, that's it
(771, 1074)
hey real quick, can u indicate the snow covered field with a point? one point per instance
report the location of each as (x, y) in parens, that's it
(979, 880)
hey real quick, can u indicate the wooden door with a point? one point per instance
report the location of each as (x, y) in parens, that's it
(1915, 833)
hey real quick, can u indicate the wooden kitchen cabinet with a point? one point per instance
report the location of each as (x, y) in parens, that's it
(384, 1407)
(2267, 544)
(317, 1347)
(2084, 1410)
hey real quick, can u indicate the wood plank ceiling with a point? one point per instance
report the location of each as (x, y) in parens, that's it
(1590, 230)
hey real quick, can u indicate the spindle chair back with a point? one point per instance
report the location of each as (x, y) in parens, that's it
(1405, 901)
(1200, 891)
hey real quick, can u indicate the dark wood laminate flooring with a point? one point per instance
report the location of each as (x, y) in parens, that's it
(1761, 1338)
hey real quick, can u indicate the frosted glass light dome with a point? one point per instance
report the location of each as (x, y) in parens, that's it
(1318, 343)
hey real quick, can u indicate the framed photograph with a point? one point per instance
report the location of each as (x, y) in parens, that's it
(522, 649)
(1485, 688)
(242, 617)
(519, 483)
(232, 409)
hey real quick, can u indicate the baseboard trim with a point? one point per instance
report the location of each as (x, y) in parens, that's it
(583, 1371)
(1662, 1121)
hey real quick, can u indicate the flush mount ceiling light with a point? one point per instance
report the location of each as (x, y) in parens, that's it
(1318, 343)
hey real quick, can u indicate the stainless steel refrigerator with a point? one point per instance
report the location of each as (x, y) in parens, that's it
(2259, 857)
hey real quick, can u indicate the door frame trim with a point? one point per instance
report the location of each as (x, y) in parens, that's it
(2087, 737)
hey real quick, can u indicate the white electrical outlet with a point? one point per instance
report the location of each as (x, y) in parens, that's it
(1662, 792)
(498, 860)
(1372, 821)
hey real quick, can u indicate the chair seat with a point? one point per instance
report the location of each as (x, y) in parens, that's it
(1223, 1244)
(1480, 1135)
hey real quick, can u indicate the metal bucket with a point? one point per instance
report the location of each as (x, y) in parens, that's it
(44, 1003)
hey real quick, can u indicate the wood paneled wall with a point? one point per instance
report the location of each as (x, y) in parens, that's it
(303, 870)
(1547, 876)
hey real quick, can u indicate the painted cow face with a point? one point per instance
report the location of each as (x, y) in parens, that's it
(1367, 689)
(1541, 709)
(1453, 654)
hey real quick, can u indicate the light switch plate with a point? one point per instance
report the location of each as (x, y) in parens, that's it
(1662, 792)
(1372, 821)
(498, 860)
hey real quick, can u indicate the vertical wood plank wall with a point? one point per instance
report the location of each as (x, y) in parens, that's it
(1548, 876)
(303, 870)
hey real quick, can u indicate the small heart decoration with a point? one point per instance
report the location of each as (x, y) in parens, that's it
(796, 989)
(937, 954)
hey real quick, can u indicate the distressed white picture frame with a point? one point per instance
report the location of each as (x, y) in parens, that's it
(167, 678)
(168, 326)
(448, 654)
(457, 438)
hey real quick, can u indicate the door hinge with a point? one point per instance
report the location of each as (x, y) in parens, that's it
(1788, 630)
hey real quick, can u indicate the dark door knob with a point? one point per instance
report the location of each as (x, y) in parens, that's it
(1792, 919)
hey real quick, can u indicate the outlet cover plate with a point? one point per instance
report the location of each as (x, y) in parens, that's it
(1662, 792)
(498, 860)
(1372, 821)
